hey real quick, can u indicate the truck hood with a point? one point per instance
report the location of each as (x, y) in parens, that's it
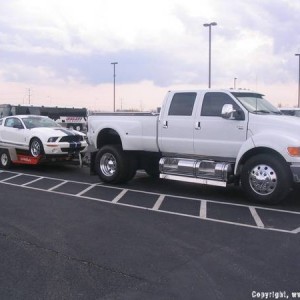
(283, 124)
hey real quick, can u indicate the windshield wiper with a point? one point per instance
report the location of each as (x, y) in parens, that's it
(261, 111)
(277, 113)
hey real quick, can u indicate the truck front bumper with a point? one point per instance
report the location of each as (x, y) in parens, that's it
(295, 168)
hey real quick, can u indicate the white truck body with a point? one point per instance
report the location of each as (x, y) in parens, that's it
(210, 129)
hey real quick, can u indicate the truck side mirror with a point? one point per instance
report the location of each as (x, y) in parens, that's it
(228, 112)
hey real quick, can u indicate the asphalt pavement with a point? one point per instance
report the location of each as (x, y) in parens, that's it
(58, 245)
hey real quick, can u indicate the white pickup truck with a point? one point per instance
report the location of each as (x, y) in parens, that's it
(215, 137)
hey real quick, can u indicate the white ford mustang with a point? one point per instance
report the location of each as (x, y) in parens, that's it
(40, 135)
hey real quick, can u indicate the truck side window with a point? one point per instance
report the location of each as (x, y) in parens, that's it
(182, 104)
(213, 103)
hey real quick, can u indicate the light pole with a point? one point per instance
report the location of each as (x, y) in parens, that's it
(234, 83)
(209, 25)
(298, 54)
(114, 64)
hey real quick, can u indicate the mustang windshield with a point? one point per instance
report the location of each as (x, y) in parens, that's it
(255, 103)
(34, 122)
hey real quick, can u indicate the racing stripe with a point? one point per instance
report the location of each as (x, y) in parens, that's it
(67, 132)
(75, 145)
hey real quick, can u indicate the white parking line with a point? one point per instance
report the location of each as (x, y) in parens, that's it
(32, 181)
(297, 230)
(57, 186)
(203, 209)
(86, 190)
(256, 217)
(18, 175)
(158, 202)
(157, 205)
(119, 196)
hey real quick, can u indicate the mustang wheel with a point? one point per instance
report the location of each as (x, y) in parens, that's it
(36, 147)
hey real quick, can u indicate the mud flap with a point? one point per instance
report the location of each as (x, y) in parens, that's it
(92, 163)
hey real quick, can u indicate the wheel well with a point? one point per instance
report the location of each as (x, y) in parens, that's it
(256, 151)
(34, 137)
(108, 136)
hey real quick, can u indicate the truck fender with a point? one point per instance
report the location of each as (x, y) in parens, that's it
(248, 145)
(129, 134)
(276, 142)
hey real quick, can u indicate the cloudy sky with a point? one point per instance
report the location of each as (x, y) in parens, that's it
(60, 51)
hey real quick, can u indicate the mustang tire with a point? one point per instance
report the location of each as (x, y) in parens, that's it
(36, 147)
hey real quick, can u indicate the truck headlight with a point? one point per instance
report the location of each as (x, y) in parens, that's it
(52, 139)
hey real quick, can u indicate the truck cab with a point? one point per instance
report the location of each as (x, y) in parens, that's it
(197, 119)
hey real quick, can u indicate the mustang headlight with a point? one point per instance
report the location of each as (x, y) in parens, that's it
(53, 139)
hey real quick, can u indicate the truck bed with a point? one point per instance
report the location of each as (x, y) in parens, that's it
(138, 131)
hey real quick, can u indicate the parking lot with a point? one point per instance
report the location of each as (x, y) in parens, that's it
(66, 235)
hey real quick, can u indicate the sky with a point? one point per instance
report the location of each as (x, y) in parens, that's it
(59, 52)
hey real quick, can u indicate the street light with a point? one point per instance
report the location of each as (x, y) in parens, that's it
(298, 81)
(114, 64)
(234, 83)
(209, 25)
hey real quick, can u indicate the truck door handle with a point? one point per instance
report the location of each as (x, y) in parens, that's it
(198, 125)
(165, 124)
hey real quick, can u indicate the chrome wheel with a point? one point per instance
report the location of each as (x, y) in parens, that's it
(263, 179)
(4, 159)
(35, 148)
(108, 164)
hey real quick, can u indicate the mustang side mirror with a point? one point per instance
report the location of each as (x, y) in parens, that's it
(19, 126)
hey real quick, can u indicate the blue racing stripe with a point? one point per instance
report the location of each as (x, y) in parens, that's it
(67, 132)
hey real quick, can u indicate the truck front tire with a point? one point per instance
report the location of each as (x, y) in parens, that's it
(266, 179)
(113, 165)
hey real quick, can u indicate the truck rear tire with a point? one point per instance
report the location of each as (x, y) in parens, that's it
(5, 161)
(266, 179)
(113, 165)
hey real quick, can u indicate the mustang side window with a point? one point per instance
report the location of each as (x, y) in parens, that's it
(213, 103)
(182, 104)
(9, 122)
(13, 122)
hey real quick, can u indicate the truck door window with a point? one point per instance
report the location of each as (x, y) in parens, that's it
(213, 103)
(182, 104)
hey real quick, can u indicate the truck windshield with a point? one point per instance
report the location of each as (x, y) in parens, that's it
(255, 103)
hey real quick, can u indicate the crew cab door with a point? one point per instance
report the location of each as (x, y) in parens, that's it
(215, 136)
(176, 124)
